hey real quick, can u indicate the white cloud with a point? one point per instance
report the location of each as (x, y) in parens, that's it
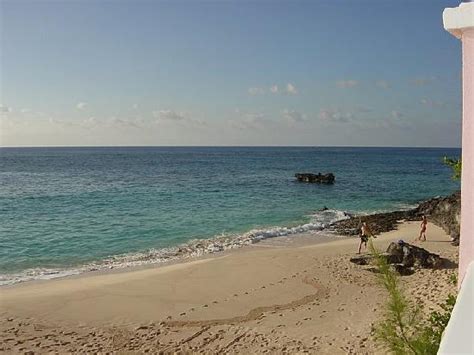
(293, 116)
(175, 116)
(256, 91)
(291, 89)
(431, 103)
(254, 117)
(345, 84)
(169, 115)
(5, 109)
(395, 119)
(25, 110)
(90, 122)
(423, 81)
(335, 115)
(118, 122)
(396, 114)
(81, 105)
(383, 84)
(250, 121)
(63, 123)
(363, 109)
(199, 122)
(135, 106)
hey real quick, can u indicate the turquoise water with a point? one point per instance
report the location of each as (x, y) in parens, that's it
(61, 208)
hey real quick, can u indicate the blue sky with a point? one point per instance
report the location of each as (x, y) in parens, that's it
(367, 73)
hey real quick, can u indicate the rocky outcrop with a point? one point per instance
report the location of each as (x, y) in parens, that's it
(410, 255)
(445, 212)
(319, 178)
(405, 258)
(379, 223)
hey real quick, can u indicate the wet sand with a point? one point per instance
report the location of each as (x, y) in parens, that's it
(293, 295)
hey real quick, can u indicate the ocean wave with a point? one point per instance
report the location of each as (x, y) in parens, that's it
(319, 220)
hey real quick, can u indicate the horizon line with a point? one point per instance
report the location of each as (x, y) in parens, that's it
(227, 146)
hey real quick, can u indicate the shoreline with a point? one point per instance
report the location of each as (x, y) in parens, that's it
(194, 249)
(295, 240)
(191, 250)
(280, 297)
(331, 224)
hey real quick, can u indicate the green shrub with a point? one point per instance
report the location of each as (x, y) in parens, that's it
(403, 330)
(456, 165)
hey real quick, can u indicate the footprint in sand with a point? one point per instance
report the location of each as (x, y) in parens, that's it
(215, 302)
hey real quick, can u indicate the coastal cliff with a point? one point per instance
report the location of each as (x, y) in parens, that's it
(445, 212)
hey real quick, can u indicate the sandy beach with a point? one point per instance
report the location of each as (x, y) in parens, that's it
(301, 296)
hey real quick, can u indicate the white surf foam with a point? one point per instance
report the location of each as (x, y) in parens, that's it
(192, 249)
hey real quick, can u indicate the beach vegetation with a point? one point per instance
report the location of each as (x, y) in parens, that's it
(404, 328)
(455, 164)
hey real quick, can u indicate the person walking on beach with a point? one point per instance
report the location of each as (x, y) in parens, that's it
(365, 234)
(423, 225)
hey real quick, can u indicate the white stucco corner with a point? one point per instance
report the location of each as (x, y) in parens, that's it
(458, 19)
(457, 338)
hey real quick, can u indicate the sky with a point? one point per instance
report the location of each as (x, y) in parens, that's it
(227, 73)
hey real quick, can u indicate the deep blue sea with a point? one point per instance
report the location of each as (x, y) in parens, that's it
(69, 210)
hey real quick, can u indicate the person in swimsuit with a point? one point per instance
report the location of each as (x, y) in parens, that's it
(423, 225)
(365, 234)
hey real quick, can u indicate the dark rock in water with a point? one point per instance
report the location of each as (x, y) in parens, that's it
(316, 178)
(412, 256)
(323, 209)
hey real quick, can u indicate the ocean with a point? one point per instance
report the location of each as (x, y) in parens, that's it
(70, 210)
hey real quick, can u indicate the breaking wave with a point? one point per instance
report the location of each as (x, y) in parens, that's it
(195, 248)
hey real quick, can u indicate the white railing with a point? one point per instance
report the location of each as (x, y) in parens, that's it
(458, 336)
